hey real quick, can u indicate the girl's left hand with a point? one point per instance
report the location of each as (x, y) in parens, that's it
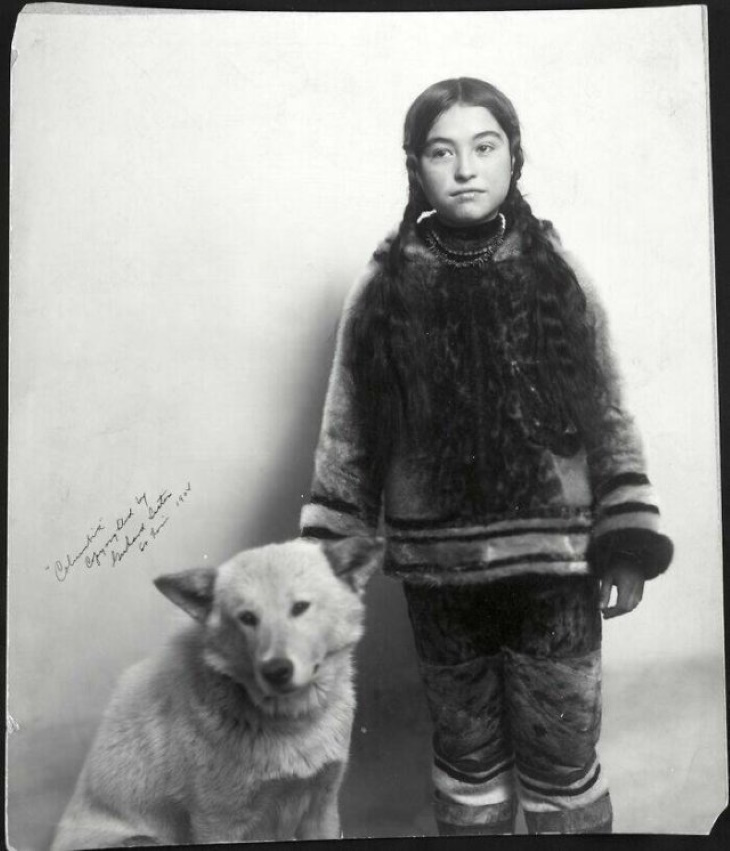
(629, 582)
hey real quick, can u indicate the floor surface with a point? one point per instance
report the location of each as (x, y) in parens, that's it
(663, 749)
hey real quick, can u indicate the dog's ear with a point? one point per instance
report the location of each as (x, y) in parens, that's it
(355, 559)
(192, 590)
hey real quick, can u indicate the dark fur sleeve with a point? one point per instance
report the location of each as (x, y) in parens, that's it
(627, 514)
(345, 497)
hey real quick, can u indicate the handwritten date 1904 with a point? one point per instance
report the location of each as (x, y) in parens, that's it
(126, 536)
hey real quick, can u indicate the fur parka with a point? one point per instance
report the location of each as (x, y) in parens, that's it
(538, 512)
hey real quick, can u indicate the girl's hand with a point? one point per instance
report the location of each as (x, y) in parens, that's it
(629, 582)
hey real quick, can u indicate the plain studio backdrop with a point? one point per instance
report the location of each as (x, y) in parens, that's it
(192, 196)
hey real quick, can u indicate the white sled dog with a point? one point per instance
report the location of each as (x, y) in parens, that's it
(240, 729)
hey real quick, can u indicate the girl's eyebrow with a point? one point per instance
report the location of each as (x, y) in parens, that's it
(446, 141)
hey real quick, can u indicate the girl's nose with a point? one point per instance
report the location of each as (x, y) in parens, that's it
(464, 167)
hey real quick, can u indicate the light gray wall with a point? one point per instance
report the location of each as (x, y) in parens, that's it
(192, 196)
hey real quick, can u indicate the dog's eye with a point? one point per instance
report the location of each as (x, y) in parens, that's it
(299, 607)
(248, 618)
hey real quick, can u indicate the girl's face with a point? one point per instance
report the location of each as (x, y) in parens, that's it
(466, 165)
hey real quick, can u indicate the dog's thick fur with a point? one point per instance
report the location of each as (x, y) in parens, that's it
(240, 729)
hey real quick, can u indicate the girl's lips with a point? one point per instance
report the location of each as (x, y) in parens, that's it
(467, 196)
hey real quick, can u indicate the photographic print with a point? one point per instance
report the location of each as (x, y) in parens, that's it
(363, 427)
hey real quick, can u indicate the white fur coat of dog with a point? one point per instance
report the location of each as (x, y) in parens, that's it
(240, 728)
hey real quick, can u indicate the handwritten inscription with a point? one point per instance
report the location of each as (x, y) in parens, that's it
(132, 530)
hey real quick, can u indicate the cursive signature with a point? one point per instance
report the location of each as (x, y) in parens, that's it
(131, 530)
(62, 567)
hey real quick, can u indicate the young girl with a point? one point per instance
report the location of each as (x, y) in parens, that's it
(473, 400)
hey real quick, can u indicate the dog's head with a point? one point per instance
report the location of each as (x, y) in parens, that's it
(281, 620)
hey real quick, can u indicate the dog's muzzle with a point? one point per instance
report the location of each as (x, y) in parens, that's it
(278, 673)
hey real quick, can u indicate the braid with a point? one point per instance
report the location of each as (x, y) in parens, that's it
(417, 204)
(562, 336)
(391, 396)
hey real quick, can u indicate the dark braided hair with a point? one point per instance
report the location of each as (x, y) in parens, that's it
(389, 344)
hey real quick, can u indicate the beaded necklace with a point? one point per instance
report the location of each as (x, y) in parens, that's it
(454, 247)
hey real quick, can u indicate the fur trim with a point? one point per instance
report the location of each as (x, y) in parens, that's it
(648, 549)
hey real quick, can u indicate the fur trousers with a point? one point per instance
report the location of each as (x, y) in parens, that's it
(512, 672)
